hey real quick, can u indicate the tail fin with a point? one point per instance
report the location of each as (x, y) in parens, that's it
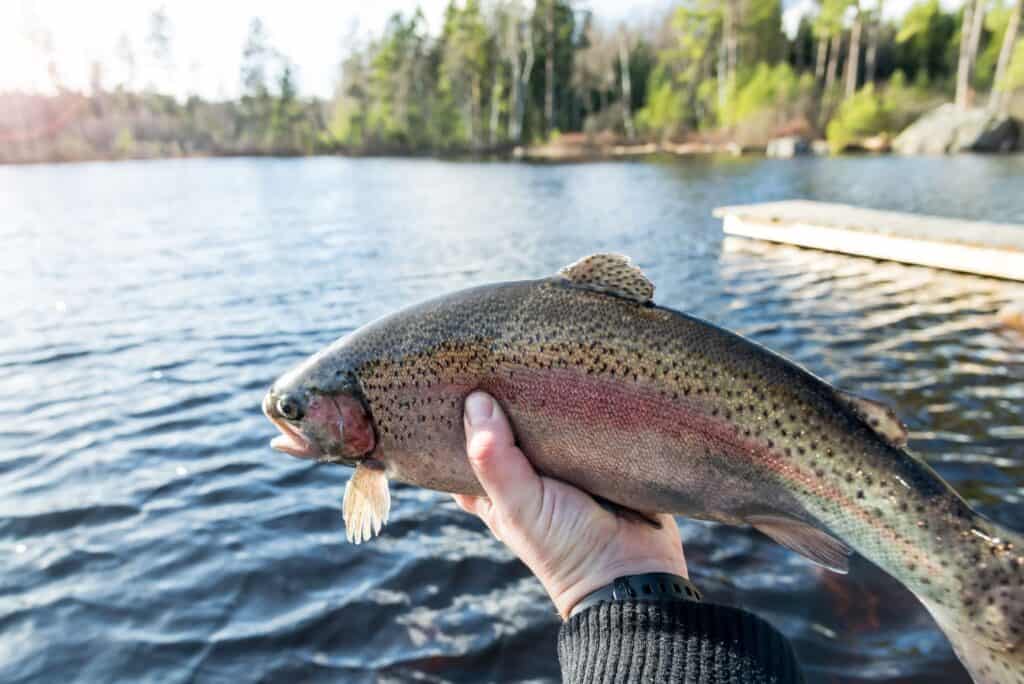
(986, 629)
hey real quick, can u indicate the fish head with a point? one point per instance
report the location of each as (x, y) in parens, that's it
(321, 416)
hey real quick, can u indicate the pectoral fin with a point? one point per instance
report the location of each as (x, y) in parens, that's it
(366, 504)
(808, 541)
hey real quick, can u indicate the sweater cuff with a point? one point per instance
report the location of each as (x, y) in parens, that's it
(639, 641)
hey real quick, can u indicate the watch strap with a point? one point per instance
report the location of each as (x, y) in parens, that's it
(651, 586)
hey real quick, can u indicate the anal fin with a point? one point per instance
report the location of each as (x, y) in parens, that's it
(810, 542)
(367, 502)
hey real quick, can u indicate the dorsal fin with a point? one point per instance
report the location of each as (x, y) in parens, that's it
(612, 273)
(809, 542)
(878, 417)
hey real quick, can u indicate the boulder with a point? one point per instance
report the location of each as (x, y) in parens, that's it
(948, 130)
(788, 147)
(878, 144)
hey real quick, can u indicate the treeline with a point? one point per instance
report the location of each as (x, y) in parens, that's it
(125, 125)
(501, 73)
(269, 118)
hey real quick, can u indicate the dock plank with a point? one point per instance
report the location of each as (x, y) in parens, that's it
(980, 247)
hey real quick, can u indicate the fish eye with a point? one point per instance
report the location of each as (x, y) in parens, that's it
(289, 408)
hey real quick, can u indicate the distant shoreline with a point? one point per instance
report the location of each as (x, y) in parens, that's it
(542, 153)
(552, 153)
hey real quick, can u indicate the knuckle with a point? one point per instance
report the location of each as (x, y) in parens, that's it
(483, 447)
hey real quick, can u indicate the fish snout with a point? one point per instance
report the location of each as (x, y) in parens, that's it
(286, 412)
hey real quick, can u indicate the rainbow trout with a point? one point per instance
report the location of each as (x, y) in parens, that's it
(656, 412)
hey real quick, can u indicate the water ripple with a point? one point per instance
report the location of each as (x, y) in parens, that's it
(149, 534)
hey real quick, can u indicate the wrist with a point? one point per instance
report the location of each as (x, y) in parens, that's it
(649, 587)
(567, 599)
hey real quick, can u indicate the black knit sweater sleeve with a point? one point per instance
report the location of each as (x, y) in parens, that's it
(702, 643)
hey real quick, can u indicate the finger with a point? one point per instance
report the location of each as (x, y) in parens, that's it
(504, 472)
(467, 502)
(479, 506)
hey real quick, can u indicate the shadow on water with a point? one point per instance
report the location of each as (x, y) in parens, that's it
(149, 534)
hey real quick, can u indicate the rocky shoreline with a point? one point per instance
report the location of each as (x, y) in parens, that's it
(945, 130)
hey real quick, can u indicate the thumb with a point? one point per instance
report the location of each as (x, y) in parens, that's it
(506, 475)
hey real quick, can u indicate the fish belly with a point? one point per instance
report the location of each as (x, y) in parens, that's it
(634, 446)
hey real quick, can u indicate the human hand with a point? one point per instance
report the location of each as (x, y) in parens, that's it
(572, 544)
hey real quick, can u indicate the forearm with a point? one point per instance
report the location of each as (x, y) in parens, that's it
(673, 642)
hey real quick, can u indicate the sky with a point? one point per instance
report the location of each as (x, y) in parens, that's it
(207, 37)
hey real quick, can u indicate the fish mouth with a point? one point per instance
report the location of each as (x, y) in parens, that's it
(290, 441)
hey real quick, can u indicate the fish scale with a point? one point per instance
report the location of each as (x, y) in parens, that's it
(657, 411)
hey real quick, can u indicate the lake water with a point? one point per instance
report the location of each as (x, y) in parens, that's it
(148, 534)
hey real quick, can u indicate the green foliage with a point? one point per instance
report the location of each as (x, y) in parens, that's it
(905, 102)
(996, 21)
(395, 117)
(462, 74)
(566, 40)
(663, 114)
(924, 41)
(406, 91)
(865, 114)
(1015, 74)
(829, 21)
(761, 32)
(766, 87)
(346, 129)
(871, 112)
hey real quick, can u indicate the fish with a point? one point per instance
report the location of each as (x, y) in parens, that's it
(653, 411)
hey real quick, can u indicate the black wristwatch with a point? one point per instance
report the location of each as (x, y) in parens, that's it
(651, 586)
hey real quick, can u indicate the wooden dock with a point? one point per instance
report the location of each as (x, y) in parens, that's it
(981, 248)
